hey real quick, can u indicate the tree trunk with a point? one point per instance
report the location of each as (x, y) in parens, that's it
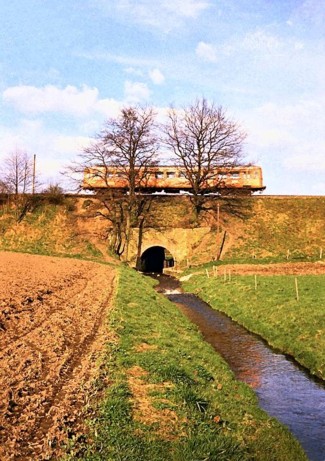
(139, 249)
(128, 232)
(222, 245)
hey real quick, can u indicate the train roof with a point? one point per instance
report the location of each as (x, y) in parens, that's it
(236, 167)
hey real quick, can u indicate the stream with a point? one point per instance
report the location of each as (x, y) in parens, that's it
(285, 390)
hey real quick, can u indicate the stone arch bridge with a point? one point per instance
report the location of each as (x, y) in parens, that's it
(175, 247)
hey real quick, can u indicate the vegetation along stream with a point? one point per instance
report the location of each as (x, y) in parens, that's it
(284, 389)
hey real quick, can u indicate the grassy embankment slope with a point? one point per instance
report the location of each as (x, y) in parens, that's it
(271, 228)
(170, 396)
(277, 228)
(46, 228)
(272, 310)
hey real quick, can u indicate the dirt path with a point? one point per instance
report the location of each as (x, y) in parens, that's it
(52, 328)
(290, 268)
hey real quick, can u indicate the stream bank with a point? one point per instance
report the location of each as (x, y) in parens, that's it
(284, 389)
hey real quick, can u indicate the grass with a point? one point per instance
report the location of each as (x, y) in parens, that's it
(49, 230)
(169, 396)
(278, 225)
(274, 229)
(272, 311)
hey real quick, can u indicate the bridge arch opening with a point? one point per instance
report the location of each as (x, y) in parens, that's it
(155, 259)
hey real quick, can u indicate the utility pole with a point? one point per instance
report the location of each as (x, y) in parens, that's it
(218, 217)
(34, 174)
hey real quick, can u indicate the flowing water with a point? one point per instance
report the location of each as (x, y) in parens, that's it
(285, 390)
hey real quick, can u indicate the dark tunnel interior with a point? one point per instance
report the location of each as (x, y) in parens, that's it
(155, 259)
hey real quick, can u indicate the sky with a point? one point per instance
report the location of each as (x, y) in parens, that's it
(66, 66)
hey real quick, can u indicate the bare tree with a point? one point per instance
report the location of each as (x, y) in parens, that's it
(133, 145)
(128, 144)
(19, 181)
(203, 140)
(5, 188)
(17, 172)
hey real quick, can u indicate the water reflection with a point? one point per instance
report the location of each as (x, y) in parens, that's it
(284, 390)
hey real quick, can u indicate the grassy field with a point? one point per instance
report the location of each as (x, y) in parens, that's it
(168, 396)
(269, 306)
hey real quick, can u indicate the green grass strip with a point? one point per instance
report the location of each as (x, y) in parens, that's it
(287, 311)
(170, 396)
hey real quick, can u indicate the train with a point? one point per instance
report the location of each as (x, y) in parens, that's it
(239, 180)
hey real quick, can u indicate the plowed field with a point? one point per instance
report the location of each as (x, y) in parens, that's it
(52, 327)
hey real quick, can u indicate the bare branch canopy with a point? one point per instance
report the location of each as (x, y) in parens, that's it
(205, 143)
(203, 140)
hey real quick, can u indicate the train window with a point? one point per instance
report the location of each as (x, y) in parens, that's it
(159, 175)
(170, 174)
(182, 174)
(235, 175)
(223, 176)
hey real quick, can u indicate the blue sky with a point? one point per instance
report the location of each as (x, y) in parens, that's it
(67, 65)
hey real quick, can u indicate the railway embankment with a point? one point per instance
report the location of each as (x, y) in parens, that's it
(271, 228)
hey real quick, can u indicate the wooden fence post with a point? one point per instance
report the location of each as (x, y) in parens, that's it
(297, 289)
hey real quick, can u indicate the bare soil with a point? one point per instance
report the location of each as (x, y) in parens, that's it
(289, 268)
(53, 315)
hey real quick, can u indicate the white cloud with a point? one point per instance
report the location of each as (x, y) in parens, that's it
(206, 51)
(51, 99)
(69, 144)
(258, 44)
(133, 62)
(156, 76)
(293, 133)
(299, 45)
(24, 136)
(136, 92)
(70, 100)
(53, 150)
(306, 161)
(108, 107)
(161, 14)
(134, 71)
(185, 8)
(261, 41)
(34, 137)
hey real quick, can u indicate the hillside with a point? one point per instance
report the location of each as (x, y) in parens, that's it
(276, 228)
(279, 227)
